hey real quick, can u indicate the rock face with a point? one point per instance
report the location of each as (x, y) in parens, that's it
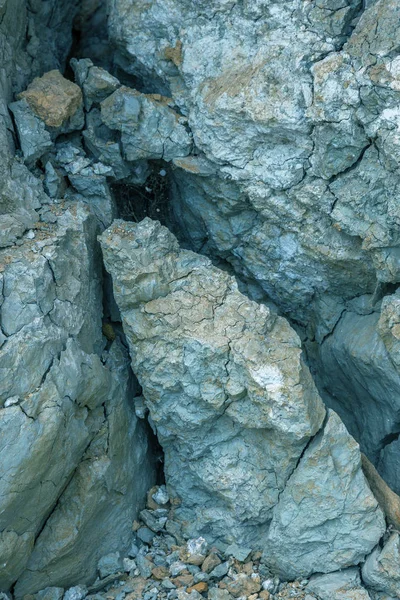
(232, 402)
(293, 180)
(381, 569)
(326, 517)
(55, 389)
(290, 183)
(234, 408)
(74, 458)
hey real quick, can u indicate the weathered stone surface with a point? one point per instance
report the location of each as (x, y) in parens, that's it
(295, 179)
(218, 372)
(149, 128)
(95, 513)
(381, 569)
(54, 386)
(344, 585)
(53, 98)
(96, 83)
(34, 138)
(326, 518)
(357, 365)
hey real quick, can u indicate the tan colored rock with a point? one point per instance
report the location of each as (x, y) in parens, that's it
(183, 580)
(160, 573)
(387, 499)
(264, 595)
(200, 587)
(210, 562)
(244, 586)
(138, 584)
(151, 504)
(53, 98)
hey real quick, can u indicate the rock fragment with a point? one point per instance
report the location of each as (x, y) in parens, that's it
(381, 569)
(35, 140)
(53, 98)
(343, 585)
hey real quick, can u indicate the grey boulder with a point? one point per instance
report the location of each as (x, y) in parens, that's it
(228, 393)
(326, 518)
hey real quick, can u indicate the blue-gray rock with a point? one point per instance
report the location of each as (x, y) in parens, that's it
(145, 535)
(219, 571)
(50, 593)
(78, 592)
(238, 552)
(381, 569)
(109, 564)
(35, 140)
(342, 585)
(144, 566)
(153, 521)
(149, 128)
(326, 518)
(223, 364)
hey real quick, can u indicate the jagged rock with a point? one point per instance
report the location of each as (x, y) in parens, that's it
(35, 140)
(326, 518)
(53, 98)
(218, 371)
(149, 128)
(344, 585)
(95, 82)
(357, 366)
(295, 180)
(381, 569)
(51, 318)
(388, 500)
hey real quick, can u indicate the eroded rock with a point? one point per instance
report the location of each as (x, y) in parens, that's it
(218, 371)
(326, 518)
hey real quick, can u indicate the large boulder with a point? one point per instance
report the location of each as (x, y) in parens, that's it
(235, 409)
(293, 180)
(232, 401)
(54, 401)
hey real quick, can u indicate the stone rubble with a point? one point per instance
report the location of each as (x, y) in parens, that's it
(163, 570)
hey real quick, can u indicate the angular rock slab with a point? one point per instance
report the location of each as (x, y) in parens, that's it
(94, 515)
(344, 585)
(233, 404)
(327, 518)
(56, 397)
(381, 571)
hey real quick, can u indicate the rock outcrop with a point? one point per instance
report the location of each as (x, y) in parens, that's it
(265, 135)
(234, 408)
(293, 179)
(74, 457)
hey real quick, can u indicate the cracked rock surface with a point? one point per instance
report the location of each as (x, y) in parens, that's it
(234, 408)
(294, 177)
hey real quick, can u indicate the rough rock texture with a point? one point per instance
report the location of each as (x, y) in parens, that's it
(218, 372)
(53, 98)
(345, 585)
(381, 569)
(94, 514)
(55, 399)
(293, 179)
(234, 407)
(326, 517)
(71, 447)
